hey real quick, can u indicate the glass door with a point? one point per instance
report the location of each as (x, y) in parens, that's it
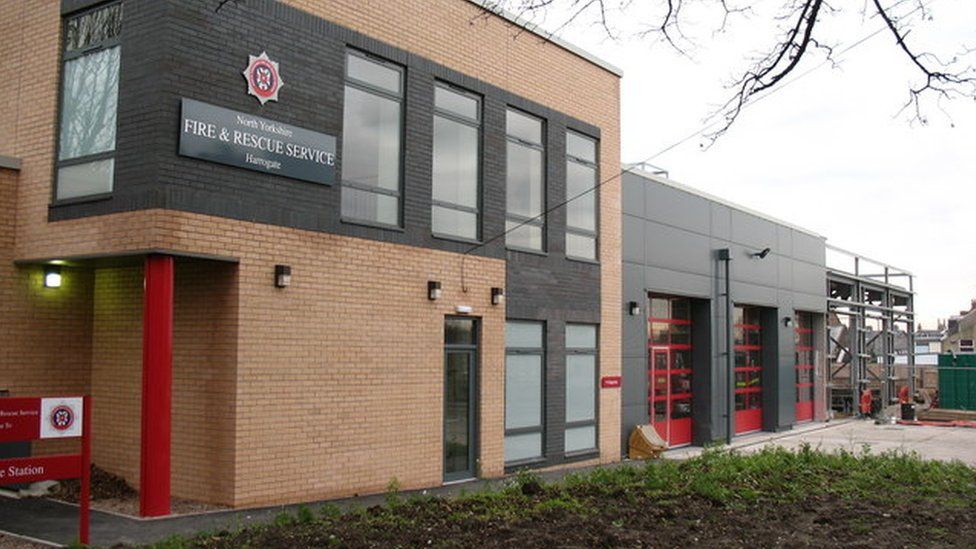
(460, 398)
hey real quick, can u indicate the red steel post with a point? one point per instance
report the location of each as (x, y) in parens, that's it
(85, 499)
(157, 377)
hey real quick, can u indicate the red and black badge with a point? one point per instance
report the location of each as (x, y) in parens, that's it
(263, 78)
(62, 418)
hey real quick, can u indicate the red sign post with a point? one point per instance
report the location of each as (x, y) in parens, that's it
(23, 419)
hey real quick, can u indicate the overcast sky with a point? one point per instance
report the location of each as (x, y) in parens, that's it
(828, 152)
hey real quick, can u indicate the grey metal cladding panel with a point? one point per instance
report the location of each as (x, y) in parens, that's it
(677, 208)
(634, 334)
(753, 294)
(634, 383)
(784, 268)
(721, 221)
(809, 248)
(676, 249)
(633, 194)
(784, 241)
(747, 268)
(809, 278)
(633, 239)
(809, 302)
(667, 281)
(752, 231)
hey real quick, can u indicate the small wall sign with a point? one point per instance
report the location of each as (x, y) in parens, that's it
(263, 78)
(239, 139)
(610, 382)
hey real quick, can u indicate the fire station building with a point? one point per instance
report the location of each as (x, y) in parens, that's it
(266, 237)
(723, 327)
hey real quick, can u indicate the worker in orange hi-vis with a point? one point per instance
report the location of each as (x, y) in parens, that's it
(866, 403)
(903, 396)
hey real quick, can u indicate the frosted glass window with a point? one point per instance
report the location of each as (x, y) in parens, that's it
(580, 336)
(523, 446)
(523, 391)
(580, 388)
(580, 438)
(523, 334)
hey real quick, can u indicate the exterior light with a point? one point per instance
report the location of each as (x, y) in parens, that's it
(634, 308)
(788, 321)
(52, 277)
(497, 296)
(433, 290)
(282, 276)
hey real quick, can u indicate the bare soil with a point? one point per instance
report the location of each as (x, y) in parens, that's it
(113, 494)
(614, 520)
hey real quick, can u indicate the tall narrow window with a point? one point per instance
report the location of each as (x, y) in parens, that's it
(581, 181)
(89, 100)
(524, 370)
(580, 388)
(371, 137)
(454, 205)
(525, 192)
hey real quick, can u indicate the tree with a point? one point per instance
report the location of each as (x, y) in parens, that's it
(797, 30)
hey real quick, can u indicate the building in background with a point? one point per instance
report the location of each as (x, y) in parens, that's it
(265, 236)
(960, 334)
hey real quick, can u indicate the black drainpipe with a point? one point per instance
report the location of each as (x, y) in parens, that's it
(725, 256)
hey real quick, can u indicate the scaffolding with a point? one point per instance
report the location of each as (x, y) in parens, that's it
(869, 304)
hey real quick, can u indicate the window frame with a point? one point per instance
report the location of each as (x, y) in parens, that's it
(65, 57)
(478, 125)
(595, 422)
(541, 220)
(541, 352)
(401, 99)
(595, 164)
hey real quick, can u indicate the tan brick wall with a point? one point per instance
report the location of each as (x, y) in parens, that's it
(338, 379)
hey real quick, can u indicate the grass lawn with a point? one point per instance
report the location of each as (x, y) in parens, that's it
(721, 499)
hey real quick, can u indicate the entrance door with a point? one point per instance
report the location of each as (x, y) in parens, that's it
(460, 398)
(669, 369)
(804, 366)
(748, 370)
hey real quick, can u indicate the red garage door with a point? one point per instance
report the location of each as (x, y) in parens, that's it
(748, 370)
(669, 368)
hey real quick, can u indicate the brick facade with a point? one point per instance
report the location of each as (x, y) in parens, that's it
(331, 387)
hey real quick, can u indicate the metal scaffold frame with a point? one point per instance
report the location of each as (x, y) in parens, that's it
(864, 298)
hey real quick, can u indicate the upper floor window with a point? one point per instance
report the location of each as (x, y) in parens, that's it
(525, 190)
(454, 205)
(372, 125)
(581, 181)
(89, 101)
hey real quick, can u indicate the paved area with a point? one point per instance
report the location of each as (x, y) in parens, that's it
(57, 523)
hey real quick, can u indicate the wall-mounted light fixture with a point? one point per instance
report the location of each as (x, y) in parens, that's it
(52, 276)
(282, 276)
(762, 254)
(497, 296)
(433, 290)
(633, 308)
(788, 321)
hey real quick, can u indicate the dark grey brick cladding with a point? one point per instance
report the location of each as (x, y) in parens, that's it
(183, 48)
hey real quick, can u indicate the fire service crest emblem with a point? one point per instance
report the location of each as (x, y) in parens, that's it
(263, 79)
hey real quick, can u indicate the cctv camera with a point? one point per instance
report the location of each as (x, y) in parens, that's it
(762, 254)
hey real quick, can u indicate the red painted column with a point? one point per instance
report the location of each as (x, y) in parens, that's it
(157, 378)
